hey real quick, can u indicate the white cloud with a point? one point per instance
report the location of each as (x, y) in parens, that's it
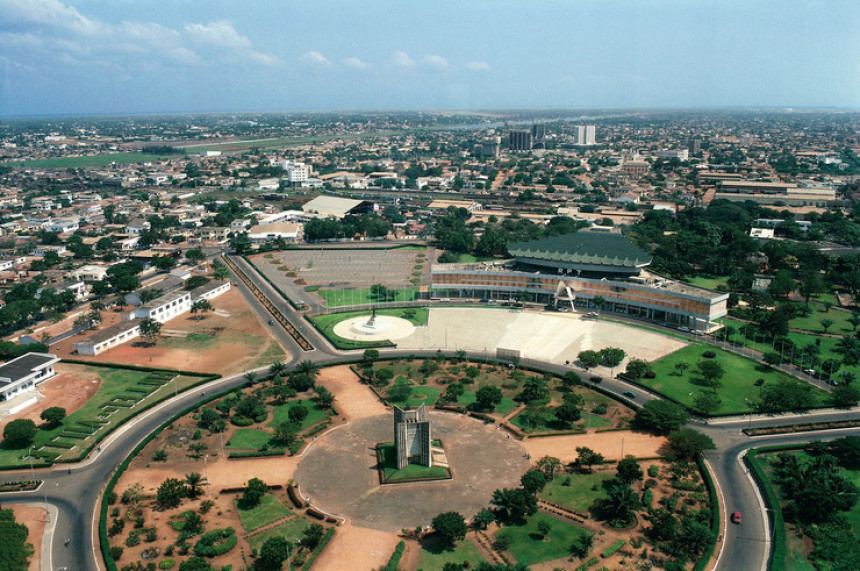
(402, 59)
(355, 63)
(313, 57)
(48, 14)
(437, 62)
(220, 33)
(478, 66)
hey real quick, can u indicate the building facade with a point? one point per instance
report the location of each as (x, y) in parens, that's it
(23, 373)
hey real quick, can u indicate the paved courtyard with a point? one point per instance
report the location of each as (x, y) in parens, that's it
(552, 337)
(339, 474)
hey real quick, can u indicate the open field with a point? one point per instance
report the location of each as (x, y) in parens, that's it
(92, 161)
(249, 439)
(736, 389)
(812, 322)
(121, 394)
(230, 341)
(315, 413)
(580, 494)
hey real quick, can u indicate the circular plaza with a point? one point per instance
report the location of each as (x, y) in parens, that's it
(339, 472)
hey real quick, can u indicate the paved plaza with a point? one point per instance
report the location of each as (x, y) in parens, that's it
(550, 337)
(339, 472)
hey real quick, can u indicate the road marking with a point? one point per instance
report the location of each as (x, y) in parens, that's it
(724, 513)
(762, 509)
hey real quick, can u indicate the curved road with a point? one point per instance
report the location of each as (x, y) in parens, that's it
(76, 490)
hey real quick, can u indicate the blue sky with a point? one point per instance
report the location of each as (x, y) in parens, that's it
(149, 56)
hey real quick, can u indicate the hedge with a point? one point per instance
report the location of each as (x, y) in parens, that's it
(208, 545)
(590, 563)
(394, 561)
(256, 453)
(323, 542)
(613, 549)
(715, 518)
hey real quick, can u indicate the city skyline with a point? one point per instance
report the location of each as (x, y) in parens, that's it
(100, 57)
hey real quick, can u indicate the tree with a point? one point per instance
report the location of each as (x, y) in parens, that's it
(549, 464)
(784, 396)
(826, 323)
(611, 357)
(220, 271)
(636, 368)
(599, 302)
(515, 504)
(483, 519)
(253, 493)
(53, 416)
(19, 433)
(194, 482)
(588, 457)
(662, 416)
(325, 399)
(201, 306)
(150, 328)
(681, 366)
(533, 482)
(544, 527)
(534, 390)
(619, 503)
(589, 359)
(285, 433)
(273, 553)
(567, 413)
(487, 397)
(711, 371)
(14, 549)
(170, 493)
(686, 443)
(583, 546)
(628, 470)
(370, 356)
(308, 368)
(706, 403)
(845, 396)
(451, 528)
(570, 380)
(195, 564)
(312, 535)
(298, 414)
(195, 255)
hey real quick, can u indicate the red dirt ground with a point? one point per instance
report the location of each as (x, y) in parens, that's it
(70, 390)
(607, 443)
(35, 519)
(241, 342)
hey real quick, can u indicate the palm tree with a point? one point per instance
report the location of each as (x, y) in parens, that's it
(620, 502)
(251, 377)
(582, 547)
(194, 482)
(308, 368)
(278, 369)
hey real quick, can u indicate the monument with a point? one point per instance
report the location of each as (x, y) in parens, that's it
(412, 437)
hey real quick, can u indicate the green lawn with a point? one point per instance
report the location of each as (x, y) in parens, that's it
(736, 387)
(530, 549)
(342, 297)
(583, 490)
(433, 556)
(249, 439)
(325, 324)
(93, 161)
(503, 408)
(826, 344)
(315, 413)
(268, 510)
(410, 472)
(420, 394)
(840, 326)
(290, 529)
(115, 384)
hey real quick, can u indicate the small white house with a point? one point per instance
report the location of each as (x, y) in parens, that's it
(107, 338)
(25, 372)
(165, 307)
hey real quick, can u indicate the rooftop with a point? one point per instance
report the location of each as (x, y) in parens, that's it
(595, 248)
(24, 365)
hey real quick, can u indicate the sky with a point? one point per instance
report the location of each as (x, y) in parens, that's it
(68, 57)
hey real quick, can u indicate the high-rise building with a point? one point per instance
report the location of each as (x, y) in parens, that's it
(520, 140)
(538, 136)
(694, 145)
(585, 135)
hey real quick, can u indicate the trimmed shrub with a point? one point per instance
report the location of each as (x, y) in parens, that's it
(613, 549)
(709, 355)
(216, 542)
(394, 561)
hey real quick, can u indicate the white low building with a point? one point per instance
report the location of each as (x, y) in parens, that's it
(210, 290)
(25, 372)
(287, 231)
(108, 338)
(165, 307)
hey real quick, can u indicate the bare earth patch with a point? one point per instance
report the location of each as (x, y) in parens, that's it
(70, 389)
(609, 444)
(34, 518)
(227, 342)
(353, 399)
(357, 548)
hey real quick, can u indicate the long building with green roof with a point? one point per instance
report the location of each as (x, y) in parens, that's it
(583, 271)
(588, 253)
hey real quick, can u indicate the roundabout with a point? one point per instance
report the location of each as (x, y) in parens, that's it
(374, 328)
(339, 473)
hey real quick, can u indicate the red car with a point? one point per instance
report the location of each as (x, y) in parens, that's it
(736, 517)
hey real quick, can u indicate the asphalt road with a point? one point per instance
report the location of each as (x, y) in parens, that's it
(75, 491)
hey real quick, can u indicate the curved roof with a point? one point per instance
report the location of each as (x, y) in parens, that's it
(584, 247)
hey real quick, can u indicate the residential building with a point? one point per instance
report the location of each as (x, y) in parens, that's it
(23, 373)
